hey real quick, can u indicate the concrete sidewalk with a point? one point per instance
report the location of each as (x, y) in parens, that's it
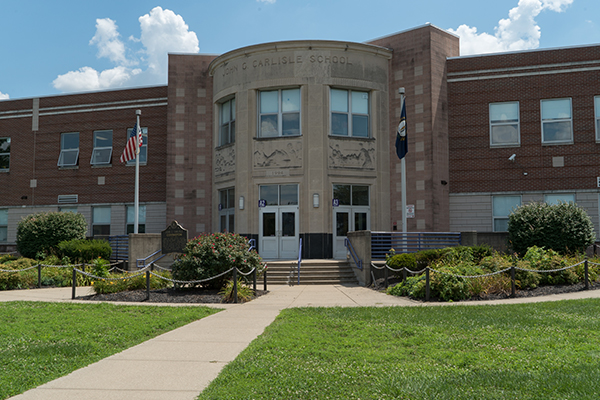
(179, 364)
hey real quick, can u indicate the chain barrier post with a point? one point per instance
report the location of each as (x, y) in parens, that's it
(74, 283)
(254, 281)
(235, 298)
(39, 275)
(587, 280)
(385, 275)
(265, 279)
(404, 275)
(426, 283)
(147, 285)
(512, 282)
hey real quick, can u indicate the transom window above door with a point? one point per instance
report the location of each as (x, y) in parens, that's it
(279, 195)
(279, 113)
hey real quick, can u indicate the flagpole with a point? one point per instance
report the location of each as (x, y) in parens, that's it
(403, 170)
(137, 174)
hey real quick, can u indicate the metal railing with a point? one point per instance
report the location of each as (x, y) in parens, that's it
(410, 242)
(141, 262)
(120, 247)
(352, 252)
(299, 259)
(252, 243)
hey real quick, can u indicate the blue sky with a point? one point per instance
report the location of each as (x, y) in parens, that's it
(67, 46)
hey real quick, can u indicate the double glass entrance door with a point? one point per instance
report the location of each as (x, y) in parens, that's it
(346, 219)
(278, 226)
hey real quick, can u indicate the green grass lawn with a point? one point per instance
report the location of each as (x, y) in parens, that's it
(527, 351)
(40, 342)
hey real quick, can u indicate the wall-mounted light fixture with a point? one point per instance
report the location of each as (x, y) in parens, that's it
(316, 200)
(241, 202)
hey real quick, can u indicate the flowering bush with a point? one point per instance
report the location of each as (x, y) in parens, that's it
(209, 255)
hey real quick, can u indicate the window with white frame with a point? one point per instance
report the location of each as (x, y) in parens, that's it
(101, 221)
(504, 124)
(143, 149)
(597, 116)
(501, 208)
(553, 199)
(131, 219)
(4, 153)
(3, 225)
(279, 113)
(227, 210)
(227, 122)
(557, 124)
(349, 113)
(102, 153)
(69, 149)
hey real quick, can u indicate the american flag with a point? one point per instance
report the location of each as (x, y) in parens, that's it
(130, 151)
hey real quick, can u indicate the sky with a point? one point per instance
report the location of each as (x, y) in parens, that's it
(73, 46)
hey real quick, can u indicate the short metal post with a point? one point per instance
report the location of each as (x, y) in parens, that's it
(39, 275)
(235, 297)
(513, 290)
(147, 285)
(265, 279)
(74, 283)
(404, 275)
(385, 275)
(427, 284)
(254, 281)
(587, 279)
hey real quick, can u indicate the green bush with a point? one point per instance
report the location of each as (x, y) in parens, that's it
(209, 255)
(42, 232)
(413, 287)
(244, 292)
(547, 260)
(405, 260)
(564, 227)
(428, 257)
(84, 251)
(105, 286)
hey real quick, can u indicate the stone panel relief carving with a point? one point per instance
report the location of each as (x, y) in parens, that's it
(350, 154)
(277, 154)
(225, 160)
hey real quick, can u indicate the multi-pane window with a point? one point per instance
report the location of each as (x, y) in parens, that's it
(69, 149)
(227, 210)
(4, 153)
(349, 113)
(501, 208)
(143, 149)
(102, 153)
(504, 124)
(279, 113)
(131, 219)
(351, 195)
(597, 116)
(279, 195)
(3, 225)
(559, 198)
(101, 221)
(557, 124)
(227, 123)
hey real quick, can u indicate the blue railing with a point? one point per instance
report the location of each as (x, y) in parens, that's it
(357, 261)
(120, 247)
(299, 259)
(141, 262)
(252, 243)
(410, 242)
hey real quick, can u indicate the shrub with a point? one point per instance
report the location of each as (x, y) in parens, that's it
(244, 293)
(42, 232)
(83, 251)
(428, 257)
(102, 286)
(413, 287)
(404, 260)
(564, 227)
(209, 255)
(547, 260)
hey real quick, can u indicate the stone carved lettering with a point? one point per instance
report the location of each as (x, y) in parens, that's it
(225, 160)
(274, 61)
(278, 154)
(174, 238)
(352, 155)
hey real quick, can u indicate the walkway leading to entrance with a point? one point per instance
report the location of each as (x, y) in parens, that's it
(179, 364)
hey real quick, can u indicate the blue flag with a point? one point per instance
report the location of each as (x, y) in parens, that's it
(401, 137)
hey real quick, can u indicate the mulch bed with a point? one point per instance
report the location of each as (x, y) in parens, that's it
(547, 290)
(190, 296)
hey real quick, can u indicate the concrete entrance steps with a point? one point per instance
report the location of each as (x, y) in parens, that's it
(312, 272)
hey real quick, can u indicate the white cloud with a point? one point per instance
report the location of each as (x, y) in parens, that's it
(266, 1)
(162, 31)
(4, 96)
(518, 32)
